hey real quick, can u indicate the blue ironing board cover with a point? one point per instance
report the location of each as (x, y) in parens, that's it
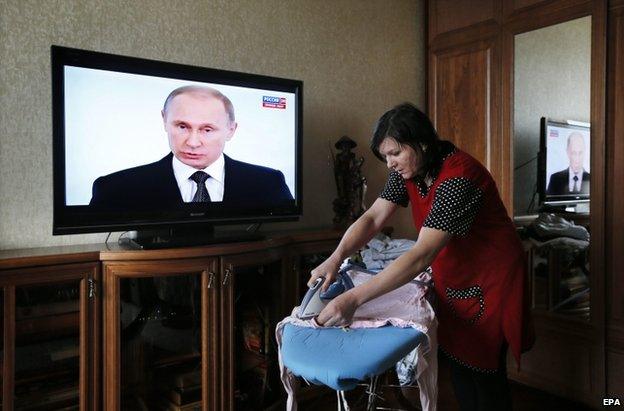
(340, 359)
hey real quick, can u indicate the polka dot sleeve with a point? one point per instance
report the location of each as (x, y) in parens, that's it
(456, 203)
(395, 190)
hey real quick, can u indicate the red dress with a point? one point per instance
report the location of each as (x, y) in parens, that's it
(480, 276)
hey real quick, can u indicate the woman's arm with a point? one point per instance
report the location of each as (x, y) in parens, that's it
(356, 236)
(402, 270)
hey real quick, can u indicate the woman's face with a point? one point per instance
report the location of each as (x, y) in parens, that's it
(401, 158)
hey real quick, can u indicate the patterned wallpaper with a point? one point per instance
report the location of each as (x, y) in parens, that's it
(356, 58)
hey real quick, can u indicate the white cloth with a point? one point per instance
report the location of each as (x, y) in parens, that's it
(382, 250)
(407, 306)
(215, 184)
(575, 186)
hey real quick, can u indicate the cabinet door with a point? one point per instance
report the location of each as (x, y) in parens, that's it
(464, 104)
(254, 299)
(50, 347)
(158, 334)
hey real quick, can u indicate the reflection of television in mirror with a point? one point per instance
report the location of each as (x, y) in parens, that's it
(564, 166)
(117, 166)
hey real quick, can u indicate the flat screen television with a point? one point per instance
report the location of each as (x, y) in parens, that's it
(149, 145)
(564, 166)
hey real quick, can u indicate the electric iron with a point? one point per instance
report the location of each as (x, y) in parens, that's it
(315, 300)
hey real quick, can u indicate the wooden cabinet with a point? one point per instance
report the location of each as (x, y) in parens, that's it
(158, 337)
(50, 351)
(253, 300)
(471, 80)
(192, 326)
(614, 280)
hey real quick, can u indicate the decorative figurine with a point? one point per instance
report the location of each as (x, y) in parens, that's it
(350, 183)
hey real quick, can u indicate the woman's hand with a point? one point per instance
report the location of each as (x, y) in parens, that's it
(328, 269)
(339, 312)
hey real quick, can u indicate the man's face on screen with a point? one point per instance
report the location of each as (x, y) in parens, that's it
(198, 127)
(576, 152)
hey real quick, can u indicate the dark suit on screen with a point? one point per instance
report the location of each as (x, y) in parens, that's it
(154, 186)
(559, 183)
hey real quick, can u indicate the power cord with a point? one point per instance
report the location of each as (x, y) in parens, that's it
(106, 241)
(526, 162)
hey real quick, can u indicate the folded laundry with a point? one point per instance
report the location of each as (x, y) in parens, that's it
(382, 250)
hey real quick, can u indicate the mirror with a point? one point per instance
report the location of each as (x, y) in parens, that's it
(552, 80)
(552, 71)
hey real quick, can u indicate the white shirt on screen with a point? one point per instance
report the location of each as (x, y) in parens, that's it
(215, 184)
(571, 182)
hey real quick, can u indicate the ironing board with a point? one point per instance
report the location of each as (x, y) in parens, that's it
(341, 358)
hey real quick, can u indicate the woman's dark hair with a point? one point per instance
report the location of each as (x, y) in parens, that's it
(408, 125)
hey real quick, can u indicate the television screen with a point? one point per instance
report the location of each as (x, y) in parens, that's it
(565, 170)
(141, 143)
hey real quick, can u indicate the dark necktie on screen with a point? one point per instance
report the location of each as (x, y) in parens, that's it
(576, 184)
(201, 196)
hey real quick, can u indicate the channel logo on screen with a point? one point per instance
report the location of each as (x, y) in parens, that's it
(273, 102)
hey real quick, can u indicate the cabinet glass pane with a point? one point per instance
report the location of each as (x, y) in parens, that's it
(258, 308)
(47, 346)
(161, 342)
(561, 278)
(571, 271)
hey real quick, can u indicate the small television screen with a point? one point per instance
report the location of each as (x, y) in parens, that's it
(141, 143)
(564, 170)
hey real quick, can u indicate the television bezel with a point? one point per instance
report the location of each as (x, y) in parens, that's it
(545, 199)
(87, 219)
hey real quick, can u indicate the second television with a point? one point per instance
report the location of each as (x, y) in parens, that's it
(143, 144)
(564, 166)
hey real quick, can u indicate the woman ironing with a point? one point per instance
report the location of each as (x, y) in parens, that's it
(465, 235)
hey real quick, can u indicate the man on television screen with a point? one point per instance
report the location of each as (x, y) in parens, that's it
(574, 179)
(199, 121)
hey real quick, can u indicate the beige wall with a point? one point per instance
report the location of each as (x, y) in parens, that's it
(356, 58)
(551, 79)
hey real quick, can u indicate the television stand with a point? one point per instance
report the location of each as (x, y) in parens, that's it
(579, 208)
(184, 237)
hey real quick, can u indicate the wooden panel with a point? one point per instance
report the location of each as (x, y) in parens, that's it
(543, 13)
(520, 4)
(8, 367)
(615, 168)
(449, 15)
(559, 363)
(112, 273)
(546, 12)
(88, 320)
(464, 103)
(615, 373)
(230, 275)
(210, 339)
(615, 4)
(95, 336)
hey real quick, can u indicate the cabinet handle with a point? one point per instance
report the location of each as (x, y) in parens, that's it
(227, 276)
(211, 279)
(91, 286)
